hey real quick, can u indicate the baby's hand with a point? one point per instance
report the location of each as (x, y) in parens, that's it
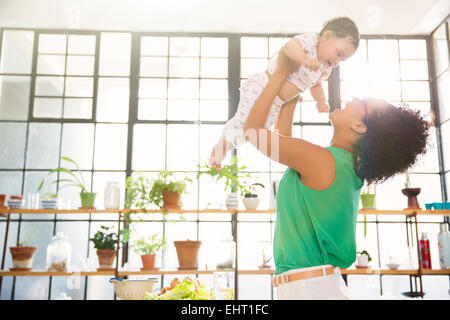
(322, 107)
(312, 64)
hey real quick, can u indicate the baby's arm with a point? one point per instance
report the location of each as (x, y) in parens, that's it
(294, 50)
(319, 95)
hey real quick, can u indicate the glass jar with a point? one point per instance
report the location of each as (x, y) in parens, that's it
(225, 254)
(58, 253)
(112, 196)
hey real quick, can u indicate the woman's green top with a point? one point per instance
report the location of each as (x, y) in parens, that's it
(317, 227)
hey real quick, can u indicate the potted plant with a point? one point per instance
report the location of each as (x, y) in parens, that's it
(23, 253)
(251, 200)
(49, 201)
(187, 253)
(87, 198)
(363, 259)
(105, 243)
(411, 193)
(166, 190)
(148, 248)
(232, 174)
(368, 197)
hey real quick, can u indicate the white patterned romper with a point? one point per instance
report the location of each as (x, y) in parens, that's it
(303, 78)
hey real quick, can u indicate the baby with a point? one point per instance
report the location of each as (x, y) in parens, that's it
(316, 54)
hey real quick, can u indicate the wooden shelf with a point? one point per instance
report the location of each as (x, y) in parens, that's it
(4, 212)
(368, 271)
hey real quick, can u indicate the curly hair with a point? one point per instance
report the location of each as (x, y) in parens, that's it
(342, 27)
(394, 138)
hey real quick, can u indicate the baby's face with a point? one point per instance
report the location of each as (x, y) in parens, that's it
(331, 50)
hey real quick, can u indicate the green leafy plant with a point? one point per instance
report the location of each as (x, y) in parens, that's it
(28, 239)
(166, 181)
(252, 190)
(103, 239)
(138, 189)
(151, 245)
(73, 180)
(231, 173)
(408, 181)
(366, 253)
(50, 196)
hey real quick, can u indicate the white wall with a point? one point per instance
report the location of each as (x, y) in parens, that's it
(235, 16)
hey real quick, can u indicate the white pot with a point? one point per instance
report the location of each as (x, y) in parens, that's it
(232, 200)
(362, 260)
(251, 203)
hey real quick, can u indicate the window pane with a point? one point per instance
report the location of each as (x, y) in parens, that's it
(153, 67)
(81, 44)
(275, 44)
(51, 64)
(183, 89)
(384, 68)
(79, 87)
(254, 47)
(388, 90)
(149, 147)
(443, 85)
(413, 49)
(252, 158)
(214, 68)
(214, 47)
(251, 66)
(214, 110)
(414, 69)
(80, 65)
(209, 136)
(182, 110)
(52, 43)
(113, 99)
(320, 135)
(115, 51)
(110, 147)
(182, 144)
(12, 145)
(213, 89)
(49, 86)
(415, 90)
(185, 46)
(43, 146)
(78, 144)
(445, 134)
(47, 108)
(184, 67)
(152, 109)
(153, 88)
(429, 162)
(11, 182)
(17, 51)
(78, 108)
(14, 97)
(309, 112)
(350, 89)
(354, 69)
(441, 49)
(154, 46)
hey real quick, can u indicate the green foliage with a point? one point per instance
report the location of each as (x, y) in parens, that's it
(138, 192)
(366, 253)
(231, 173)
(73, 180)
(49, 195)
(166, 181)
(151, 245)
(28, 239)
(103, 239)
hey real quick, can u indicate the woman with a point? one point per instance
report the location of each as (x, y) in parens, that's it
(318, 196)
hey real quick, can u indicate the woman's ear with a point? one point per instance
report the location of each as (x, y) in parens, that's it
(358, 127)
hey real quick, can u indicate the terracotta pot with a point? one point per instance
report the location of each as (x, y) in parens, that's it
(2, 200)
(412, 194)
(148, 261)
(187, 252)
(22, 257)
(106, 258)
(171, 199)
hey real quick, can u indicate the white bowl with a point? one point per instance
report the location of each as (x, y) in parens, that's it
(251, 203)
(393, 266)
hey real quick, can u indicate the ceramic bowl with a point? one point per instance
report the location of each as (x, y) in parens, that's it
(393, 266)
(49, 204)
(15, 204)
(428, 206)
(438, 205)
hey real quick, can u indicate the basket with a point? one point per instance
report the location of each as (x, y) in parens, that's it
(132, 289)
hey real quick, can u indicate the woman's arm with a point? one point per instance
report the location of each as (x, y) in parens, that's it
(315, 164)
(285, 119)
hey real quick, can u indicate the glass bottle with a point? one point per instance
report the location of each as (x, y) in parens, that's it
(425, 255)
(225, 254)
(112, 195)
(58, 253)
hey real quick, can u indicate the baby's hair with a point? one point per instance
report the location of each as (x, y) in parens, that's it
(342, 27)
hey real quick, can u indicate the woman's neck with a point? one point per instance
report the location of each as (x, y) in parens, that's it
(338, 142)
